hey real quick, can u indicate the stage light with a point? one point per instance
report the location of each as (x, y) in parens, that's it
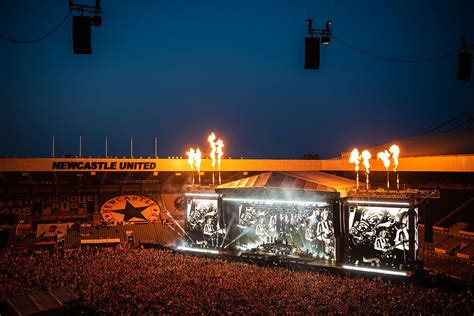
(257, 201)
(202, 194)
(379, 202)
(363, 269)
(201, 250)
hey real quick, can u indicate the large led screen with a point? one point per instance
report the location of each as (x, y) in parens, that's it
(378, 236)
(201, 221)
(301, 231)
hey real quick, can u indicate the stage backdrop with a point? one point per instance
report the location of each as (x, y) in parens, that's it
(282, 228)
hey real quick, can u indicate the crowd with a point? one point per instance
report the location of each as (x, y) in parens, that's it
(158, 281)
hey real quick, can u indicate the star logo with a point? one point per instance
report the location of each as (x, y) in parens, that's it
(130, 208)
(131, 211)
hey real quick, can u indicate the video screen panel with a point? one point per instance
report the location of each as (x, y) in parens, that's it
(201, 221)
(300, 231)
(378, 236)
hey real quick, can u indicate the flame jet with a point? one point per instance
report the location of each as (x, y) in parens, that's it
(220, 154)
(211, 139)
(385, 157)
(190, 155)
(197, 163)
(366, 155)
(355, 159)
(395, 150)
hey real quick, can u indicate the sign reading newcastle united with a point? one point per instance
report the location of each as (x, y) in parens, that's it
(103, 165)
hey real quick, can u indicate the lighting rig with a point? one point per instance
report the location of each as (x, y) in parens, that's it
(313, 41)
(81, 25)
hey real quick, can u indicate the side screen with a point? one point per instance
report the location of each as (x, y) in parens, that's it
(378, 236)
(201, 221)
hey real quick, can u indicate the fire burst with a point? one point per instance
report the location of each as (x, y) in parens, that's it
(220, 154)
(385, 157)
(395, 151)
(211, 139)
(190, 155)
(197, 162)
(366, 155)
(194, 160)
(216, 154)
(355, 159)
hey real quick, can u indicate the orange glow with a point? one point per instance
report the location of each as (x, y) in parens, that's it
(197, 163)
(366, 155)
(197, 160)
(355, 158)
(395, 150)
(220, 153)
(385, 157)
(211, 139)
(190, 155)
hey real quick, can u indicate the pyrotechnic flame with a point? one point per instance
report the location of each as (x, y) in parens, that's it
(365, 160)
(197, 163)
(197, 160)
(211, 140)
(355, 158)
(385, 157)
(395, 150)
(220, 153)
(190, 155)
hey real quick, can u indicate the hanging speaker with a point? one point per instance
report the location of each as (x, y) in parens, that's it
(81, 35)
(464, 66)
(311, 52)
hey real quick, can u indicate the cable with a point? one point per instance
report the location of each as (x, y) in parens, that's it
(395, 60)
(39, 38)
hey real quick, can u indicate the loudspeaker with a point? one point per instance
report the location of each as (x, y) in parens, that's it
(464, 66)
(428, 225)
(311, 52)
(81, 35)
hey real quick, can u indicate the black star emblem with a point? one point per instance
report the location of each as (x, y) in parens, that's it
(131, 211)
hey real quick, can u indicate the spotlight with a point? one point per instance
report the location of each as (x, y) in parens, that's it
(326, 34)
(328, 26)
(325, 39)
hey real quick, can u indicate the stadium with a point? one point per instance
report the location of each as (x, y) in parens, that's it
(267, 216)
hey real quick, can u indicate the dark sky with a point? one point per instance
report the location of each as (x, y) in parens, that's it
(180, 69)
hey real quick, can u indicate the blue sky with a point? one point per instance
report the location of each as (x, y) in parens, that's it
(180, 69)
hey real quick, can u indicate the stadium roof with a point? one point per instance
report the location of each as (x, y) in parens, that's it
(310, 180)
(433, 144)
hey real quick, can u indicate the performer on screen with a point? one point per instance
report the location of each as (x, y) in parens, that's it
(210, 231)
(382, 243)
